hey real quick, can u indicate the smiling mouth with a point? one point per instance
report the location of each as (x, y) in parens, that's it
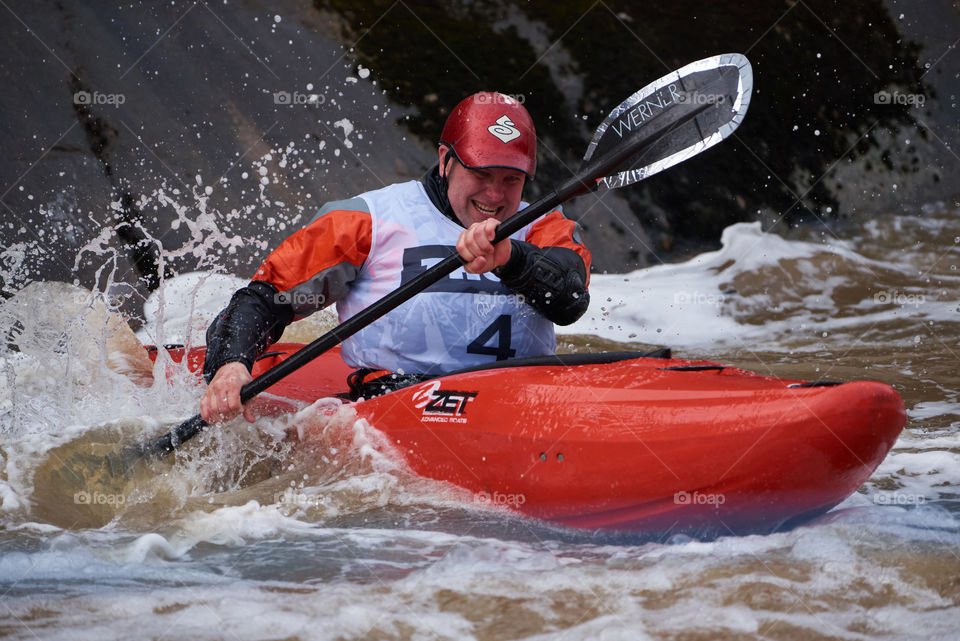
(486, 211)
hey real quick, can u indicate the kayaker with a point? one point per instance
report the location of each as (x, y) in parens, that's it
(502, 304)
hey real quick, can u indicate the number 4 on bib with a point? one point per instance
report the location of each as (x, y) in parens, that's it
(502, 351)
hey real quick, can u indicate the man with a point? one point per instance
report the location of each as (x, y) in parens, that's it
(503, 304)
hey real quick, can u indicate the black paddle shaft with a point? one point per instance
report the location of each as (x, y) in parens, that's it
(653, 131)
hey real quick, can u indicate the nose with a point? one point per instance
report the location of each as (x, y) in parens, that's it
(494, 189)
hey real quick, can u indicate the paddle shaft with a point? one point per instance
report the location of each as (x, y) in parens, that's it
(584, 181)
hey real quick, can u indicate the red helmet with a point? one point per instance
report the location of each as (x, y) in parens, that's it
(490, 129)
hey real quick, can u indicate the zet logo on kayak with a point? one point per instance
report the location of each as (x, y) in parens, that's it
(442, 405)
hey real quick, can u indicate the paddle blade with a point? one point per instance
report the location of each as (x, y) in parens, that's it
(718, 88)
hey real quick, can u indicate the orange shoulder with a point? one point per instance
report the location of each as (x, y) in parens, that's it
(338, 236)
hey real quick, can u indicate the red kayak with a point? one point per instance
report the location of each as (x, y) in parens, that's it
(627, 441)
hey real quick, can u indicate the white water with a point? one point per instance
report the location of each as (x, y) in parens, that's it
(697, 303)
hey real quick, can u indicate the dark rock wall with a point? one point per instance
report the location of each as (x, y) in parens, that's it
(118, 119)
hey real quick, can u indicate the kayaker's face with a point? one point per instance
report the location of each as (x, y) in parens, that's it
(478, 194)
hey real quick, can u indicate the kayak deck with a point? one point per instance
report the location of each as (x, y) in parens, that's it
(628, 441)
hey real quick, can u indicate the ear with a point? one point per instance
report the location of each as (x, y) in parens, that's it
(442, 152)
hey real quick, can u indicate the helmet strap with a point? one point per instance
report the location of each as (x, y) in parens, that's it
(446, 160)
(442, 200)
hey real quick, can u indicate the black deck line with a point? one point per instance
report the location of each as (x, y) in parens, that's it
(565, 359)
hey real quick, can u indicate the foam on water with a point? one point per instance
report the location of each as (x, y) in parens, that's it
(932, 409)
(761, 290)
(180, 311)
(182, 308)
(459, 586)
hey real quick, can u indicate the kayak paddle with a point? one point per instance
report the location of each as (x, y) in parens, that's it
(661, 125)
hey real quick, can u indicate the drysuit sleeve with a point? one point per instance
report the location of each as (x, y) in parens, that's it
(253, 319)
(308, 271)
(551, 269)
